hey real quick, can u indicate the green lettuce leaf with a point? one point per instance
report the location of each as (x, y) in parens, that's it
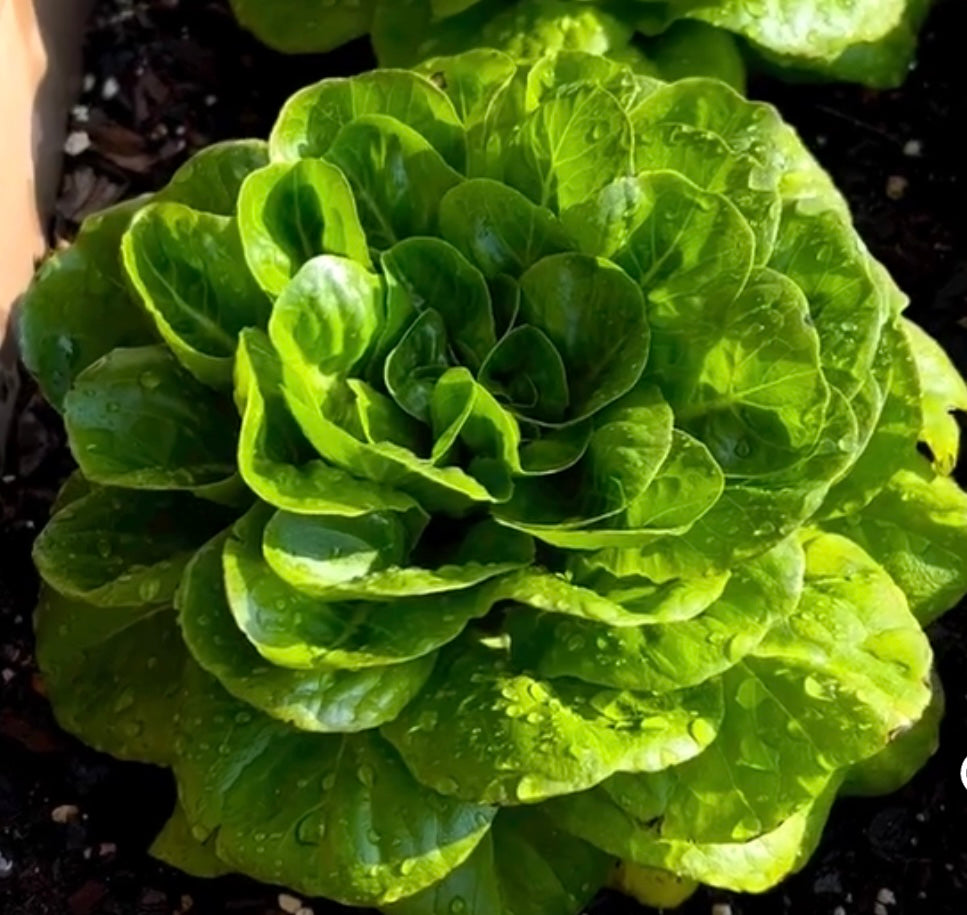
(338, 815)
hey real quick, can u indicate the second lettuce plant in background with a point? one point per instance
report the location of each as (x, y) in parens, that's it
(864, 41)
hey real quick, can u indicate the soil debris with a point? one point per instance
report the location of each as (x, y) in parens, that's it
(65, 813)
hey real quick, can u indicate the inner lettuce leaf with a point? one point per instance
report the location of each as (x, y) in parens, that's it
(508, 469)
(865, 41)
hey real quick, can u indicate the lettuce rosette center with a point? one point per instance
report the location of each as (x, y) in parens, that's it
(505, 470)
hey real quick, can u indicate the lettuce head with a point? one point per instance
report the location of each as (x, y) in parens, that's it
(504, 471)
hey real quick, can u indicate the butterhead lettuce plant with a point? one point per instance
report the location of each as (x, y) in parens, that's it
(503, 472)
(866, 41)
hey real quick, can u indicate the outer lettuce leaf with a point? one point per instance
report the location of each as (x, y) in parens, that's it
(757, 864)
(822, 254)
(764, 775)
(942, 391)
(177, 846)
(94, 550)
(653, 886)
(81, 293)
(907, 753)
(334, 815)
(893, 425)
(114, 673)
(524, 865)
(137, 419)
(915, 530)
(80, 306)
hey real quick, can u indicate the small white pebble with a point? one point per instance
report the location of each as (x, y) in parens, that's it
(921, 818)
(721, 908)
(913, 148)
(90, 81)
(81, 113)
(77, 142)
(8, 477)
(879, 909)
(7, 674)
(187, 903)
(110, 88)
(839, 910)
(886, 896)
(211, 100)
(305, 910)
(6, 867)
(65, 813)
(289, 904)
(896, 187)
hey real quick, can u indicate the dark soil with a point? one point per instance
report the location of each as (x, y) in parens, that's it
(167, 77)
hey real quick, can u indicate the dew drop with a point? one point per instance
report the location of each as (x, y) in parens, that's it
(149, 380)
(748, 695)
(702, 731)
(148, 589)
(813, 688)
(447, 785)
